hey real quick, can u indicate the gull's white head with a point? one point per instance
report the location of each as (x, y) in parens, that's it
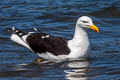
(86, 22)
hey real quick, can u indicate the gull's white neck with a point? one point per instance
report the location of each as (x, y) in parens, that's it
(79, 45)
(80, 34)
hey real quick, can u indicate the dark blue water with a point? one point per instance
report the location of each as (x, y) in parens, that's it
(58, 18)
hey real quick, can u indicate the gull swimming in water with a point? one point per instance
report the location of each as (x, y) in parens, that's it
(55, 48)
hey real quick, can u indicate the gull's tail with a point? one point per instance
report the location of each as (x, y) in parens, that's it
(19, 37)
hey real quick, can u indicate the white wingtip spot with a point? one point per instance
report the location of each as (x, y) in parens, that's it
(43, 37)
(13, 28)
(20, 34)
(47, 36)
(35, 29)
(16, 31)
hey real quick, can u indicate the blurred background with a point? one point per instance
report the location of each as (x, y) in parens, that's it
(58, 18)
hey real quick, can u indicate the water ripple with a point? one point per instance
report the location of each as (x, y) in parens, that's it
(58, 18)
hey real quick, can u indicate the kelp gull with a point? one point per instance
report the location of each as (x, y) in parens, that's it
(55, 48)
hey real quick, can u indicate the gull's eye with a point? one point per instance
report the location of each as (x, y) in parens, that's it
(84, 21)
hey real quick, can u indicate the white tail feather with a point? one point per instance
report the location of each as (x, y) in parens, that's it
(19, 40)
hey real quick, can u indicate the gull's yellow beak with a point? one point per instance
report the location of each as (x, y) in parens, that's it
(95, 28)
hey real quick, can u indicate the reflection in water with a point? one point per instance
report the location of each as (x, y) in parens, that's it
(57, 17)
(79, 70)
(70, 70)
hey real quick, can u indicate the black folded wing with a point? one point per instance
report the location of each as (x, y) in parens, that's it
(42, 43)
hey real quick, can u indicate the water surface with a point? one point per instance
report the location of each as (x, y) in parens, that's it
(58, 18)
